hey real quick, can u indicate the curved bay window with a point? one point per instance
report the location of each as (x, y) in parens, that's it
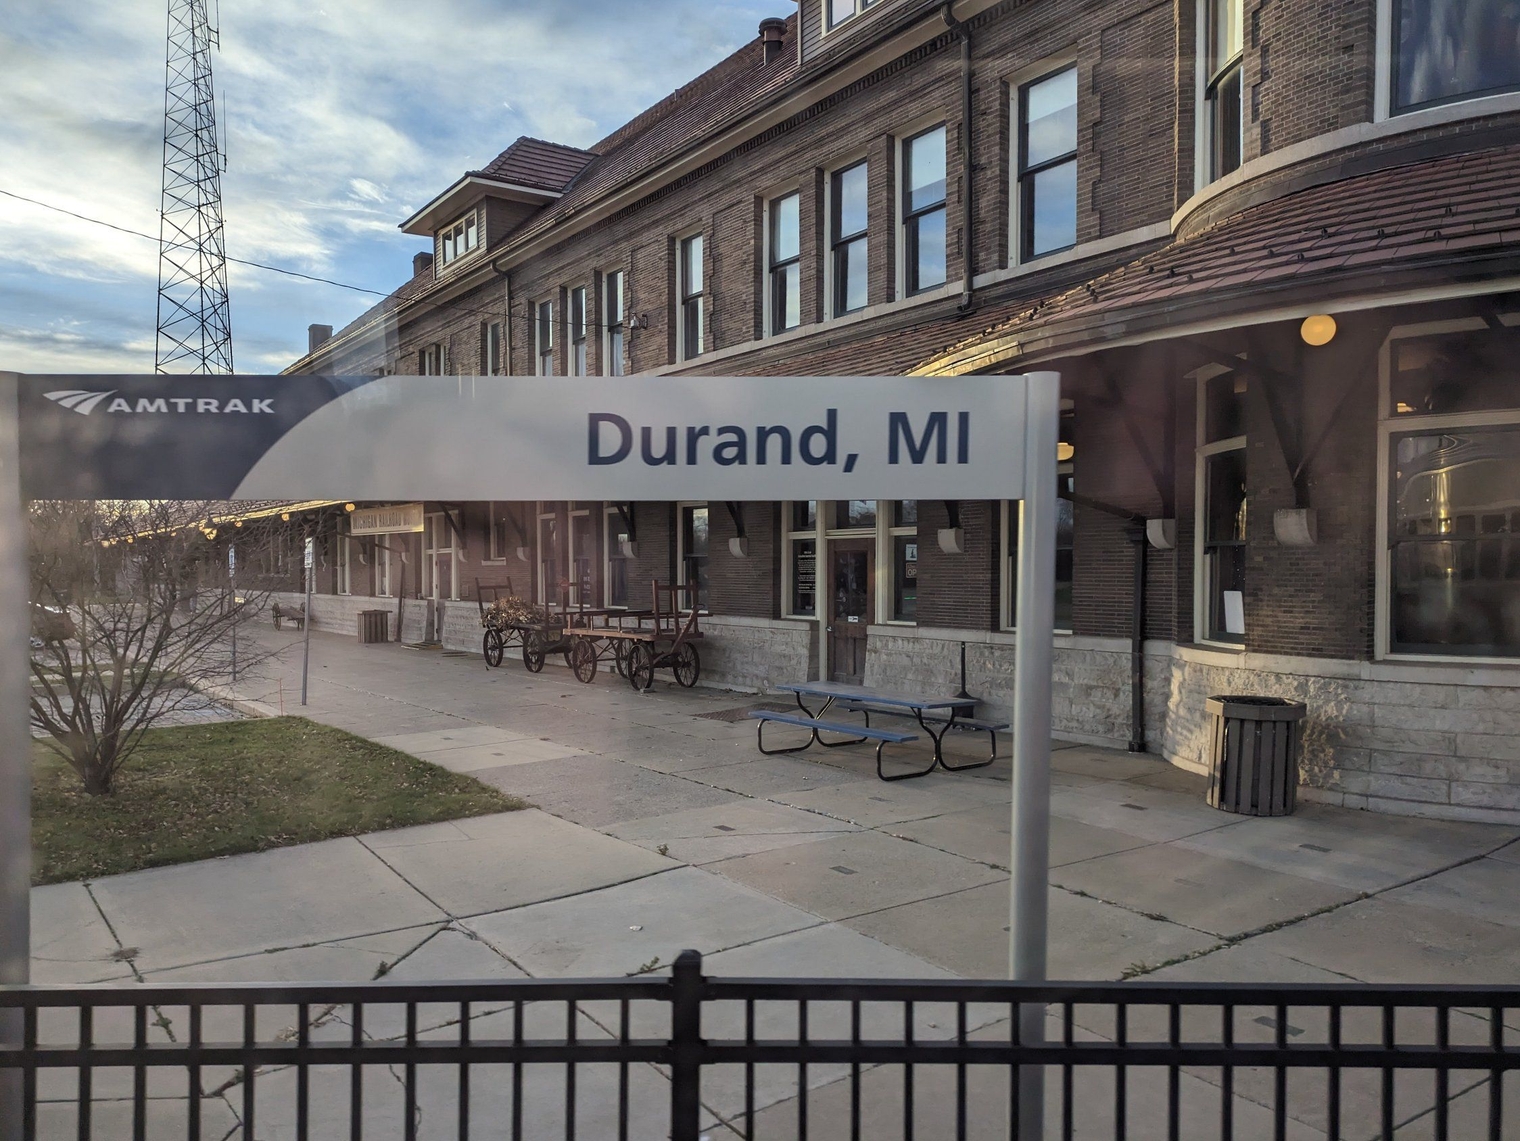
(1452, 418)
(1447, 50)
(1224, 56)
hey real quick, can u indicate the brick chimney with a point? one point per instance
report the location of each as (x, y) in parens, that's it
(421, 263)
(772, 30)
(317, 336)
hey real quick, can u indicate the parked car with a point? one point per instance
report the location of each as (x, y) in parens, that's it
(50, 624)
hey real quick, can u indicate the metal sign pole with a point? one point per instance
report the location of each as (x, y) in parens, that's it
(15, 747)
(232, 586)
(1030, 855)
(306, 621)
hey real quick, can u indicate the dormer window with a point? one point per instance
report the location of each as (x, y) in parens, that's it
(842, 10)
(459, 239)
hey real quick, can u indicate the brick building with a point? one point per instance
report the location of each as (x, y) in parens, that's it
(1273, 247)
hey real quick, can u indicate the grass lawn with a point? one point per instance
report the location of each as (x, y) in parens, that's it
(197, 791)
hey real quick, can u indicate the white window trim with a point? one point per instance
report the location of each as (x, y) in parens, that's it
(1007, 619)
(605, 332)
(900, 206)
(493, 554)
(1203, 142)
(681, 542)
(496, 337)
(831, 26)
(1389, 426)
(1016, 82)
(345, 564)
(680, 298)
(570, 362)
(1201, 453)
(788, 577)
(383, 581)
(887, 534)
(570, 556)
(767, 303)
(461, 223)
(1382, 93)
(430, 521)
(543, 595)
(538, 345)
(612, 522)
(828, 237)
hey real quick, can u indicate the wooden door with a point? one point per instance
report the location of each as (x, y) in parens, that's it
(852, 607)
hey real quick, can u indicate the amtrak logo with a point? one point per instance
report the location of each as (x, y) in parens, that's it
(84, 402)
(78, 399)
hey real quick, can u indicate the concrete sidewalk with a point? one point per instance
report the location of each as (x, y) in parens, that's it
(659, 827)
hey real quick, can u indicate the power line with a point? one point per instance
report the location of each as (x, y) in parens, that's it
(528, 319)
(153, 238)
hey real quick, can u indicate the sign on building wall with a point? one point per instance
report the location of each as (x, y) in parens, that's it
(523, 438)
(396, 519)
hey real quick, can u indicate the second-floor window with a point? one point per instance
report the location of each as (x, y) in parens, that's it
(1225, 50)
(923, 197)
(459, 239)
(433, 361)
(543, 338)
(842, 10)
(691, 297)
(578, 331)
(785, 257)
(1047, 150)
(612, 320)
(1445, 50)
(847, 239)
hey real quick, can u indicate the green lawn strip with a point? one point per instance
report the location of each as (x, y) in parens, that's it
(197, 791)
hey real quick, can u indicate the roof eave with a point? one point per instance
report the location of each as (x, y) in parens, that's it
(425, 222)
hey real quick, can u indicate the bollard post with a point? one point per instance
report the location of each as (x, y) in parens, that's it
(686, 1047)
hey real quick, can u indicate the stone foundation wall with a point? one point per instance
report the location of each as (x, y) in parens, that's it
(755, 654)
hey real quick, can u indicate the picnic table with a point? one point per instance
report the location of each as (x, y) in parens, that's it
(936, 716)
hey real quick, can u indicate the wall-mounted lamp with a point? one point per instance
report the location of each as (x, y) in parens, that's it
(1161, 533)
(348, 507)
(1318, 330)
(284, 516)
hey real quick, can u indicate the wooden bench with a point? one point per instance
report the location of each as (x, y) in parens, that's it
(857, 734)
(296, 614)
(969, 724)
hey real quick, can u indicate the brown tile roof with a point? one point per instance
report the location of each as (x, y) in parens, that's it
(538, 164)
(721, 93)
(408, 290)
(1434, 219)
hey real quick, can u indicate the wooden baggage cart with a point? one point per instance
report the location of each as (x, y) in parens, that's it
(662, 638)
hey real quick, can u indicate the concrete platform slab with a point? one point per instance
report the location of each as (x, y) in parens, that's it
(1362, 850)
(1152, 814)
(1383, 940)
(984, 834)
(853, 874)
(773, 776)
(618, 930)
(515, 751)
(874, 803)
(166, 1119)
(1106, 764)
(1225, 897)
(487, 863)
(596, 791)
(1488, 890)
(215, 909)
(461, 736)
(705, 835)
(71, 942)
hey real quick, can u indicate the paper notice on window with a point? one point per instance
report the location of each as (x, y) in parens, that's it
(1234, 612)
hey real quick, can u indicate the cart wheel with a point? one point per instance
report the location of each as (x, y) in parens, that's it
(582, 658)
(686, 665)
(491, 647)
(620, 657)
(641, 666)
(533, 654)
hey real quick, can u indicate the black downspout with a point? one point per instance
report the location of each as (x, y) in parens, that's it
(1137, 647)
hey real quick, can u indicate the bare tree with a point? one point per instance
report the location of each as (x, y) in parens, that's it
(133, 615)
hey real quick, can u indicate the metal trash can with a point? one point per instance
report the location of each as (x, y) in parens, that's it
(1254, 745)
(372, 626)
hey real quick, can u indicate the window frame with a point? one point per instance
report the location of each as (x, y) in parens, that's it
(497, 552)
(433, 360)
(612, 525)
(836, 243)
(769, 308)
(1386, 72)
(1207, 84)
(1392, 426)
(793, 536)
(543, 353)
(1021, 239)
(492, 347)
(465, 233)
(830, 24)
(1205, 449)
(686, 298)
(343, 562)
(908, 218)
(682, 558)
(1008, 526)
(614, 324)
(576, 360)
(540, 574)
(573, 555)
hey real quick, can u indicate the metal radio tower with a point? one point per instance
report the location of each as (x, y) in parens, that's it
(194, 319)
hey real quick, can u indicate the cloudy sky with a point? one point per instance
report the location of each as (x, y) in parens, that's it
(341, 118)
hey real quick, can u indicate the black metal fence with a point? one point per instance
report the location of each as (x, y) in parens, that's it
(687, 1057)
